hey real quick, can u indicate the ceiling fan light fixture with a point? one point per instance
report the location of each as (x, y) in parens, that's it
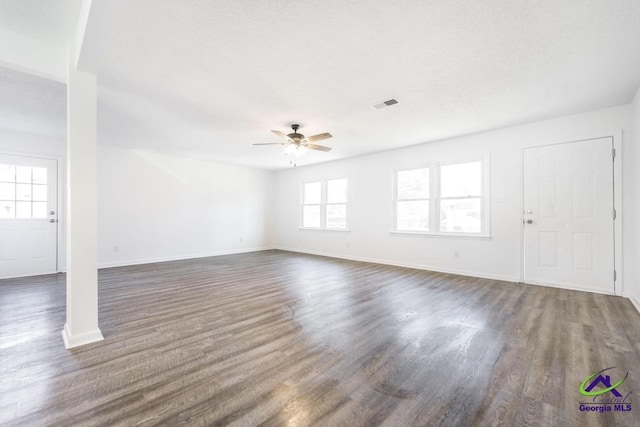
(294, 150)
(300, 150)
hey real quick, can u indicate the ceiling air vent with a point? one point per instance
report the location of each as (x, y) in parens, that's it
(386, 103)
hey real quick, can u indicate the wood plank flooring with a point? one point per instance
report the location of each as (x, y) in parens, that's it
(279, 338)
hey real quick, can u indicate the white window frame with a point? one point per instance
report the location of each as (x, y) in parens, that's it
(324, 204)
(435, 199)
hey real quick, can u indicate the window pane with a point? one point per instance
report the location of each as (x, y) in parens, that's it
(39, 193)
(413, 215)
(461, 215)
(7, 173)
(23, 209)
(311, 216)
(39, 175)
(7, 191)
(39, 209)
(7, 209)
(23, 192)
(23, 174)
(336, 216)
(312, 193)
(413, 184)
(337, 191)
(461, 180)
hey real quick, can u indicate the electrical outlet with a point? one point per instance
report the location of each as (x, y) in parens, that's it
(456, 254)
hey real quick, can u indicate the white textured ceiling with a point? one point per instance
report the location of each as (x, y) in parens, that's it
(208, 78)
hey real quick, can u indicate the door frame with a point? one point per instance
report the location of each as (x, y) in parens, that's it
(60, 237)
(616, 139)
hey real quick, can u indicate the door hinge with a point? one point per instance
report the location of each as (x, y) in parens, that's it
(613, 153)
(615, 214)
(615, 275)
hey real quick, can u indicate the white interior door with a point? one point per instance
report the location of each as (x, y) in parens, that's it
(28, 216)
(568, 215)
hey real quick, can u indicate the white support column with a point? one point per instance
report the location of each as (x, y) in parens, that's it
(81, 214)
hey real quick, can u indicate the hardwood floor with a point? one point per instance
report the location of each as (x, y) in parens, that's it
(278, 338)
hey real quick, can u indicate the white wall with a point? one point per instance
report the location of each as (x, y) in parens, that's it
(154, 207)
(632, 205)
(371, 192)
(157, 207)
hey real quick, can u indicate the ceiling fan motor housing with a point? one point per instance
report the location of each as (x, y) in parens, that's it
(296, 136)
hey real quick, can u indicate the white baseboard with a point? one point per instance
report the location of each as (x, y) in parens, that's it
(11, 276)
(404, 264)
(71, 341)
(570, 287)
(126, 263)
(636, 302)
(470, 273)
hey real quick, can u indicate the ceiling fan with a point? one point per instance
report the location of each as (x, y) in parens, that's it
(296, 143)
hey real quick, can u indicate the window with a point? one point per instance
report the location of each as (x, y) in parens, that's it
(412, 200)
(23, 192)
(324, 204)
(442, 199)
(312, 204)
(337, 203)
(461, 198)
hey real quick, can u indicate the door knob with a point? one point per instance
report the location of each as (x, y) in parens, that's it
(52, 220)
(52, 213)
(529, 221)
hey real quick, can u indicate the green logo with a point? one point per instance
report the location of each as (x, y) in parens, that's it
(605, 381)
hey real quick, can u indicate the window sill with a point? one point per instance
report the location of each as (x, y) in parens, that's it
(468, 236)
(323, 229)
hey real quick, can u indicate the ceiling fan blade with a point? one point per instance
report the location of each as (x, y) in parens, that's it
(281, 135)
(270, 143)
(317, 147)
(319, 137)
